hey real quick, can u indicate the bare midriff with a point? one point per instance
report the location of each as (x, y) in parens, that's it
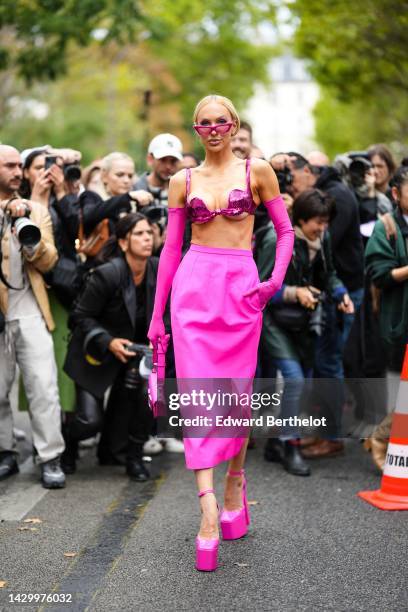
(225, 233)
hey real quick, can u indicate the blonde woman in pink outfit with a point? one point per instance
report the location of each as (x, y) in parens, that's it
(217, 298)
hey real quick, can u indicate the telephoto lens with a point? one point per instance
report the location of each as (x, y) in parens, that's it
(27, 232)
(132, 378)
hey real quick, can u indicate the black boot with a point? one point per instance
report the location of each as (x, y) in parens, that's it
(69, 456)
(273, 450)
(135, 468)
(292, 459)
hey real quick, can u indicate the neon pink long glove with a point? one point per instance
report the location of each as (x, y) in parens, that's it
(277, 212)
(169, 261)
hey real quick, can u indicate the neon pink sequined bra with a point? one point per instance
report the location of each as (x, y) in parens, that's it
(239, 201)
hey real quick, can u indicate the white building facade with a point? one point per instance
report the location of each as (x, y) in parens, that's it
(281, 115)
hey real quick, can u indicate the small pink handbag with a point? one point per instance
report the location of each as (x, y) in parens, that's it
(156, 380)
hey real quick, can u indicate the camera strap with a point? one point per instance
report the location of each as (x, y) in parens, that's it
(2, 233)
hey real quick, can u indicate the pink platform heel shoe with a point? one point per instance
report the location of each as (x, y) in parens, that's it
(206, 550)
(234, 523)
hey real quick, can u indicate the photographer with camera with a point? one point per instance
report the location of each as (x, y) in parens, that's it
(50, 179)
(164, 158)
(359, 174)
(384, 167)
(294, 318)
(27, 253)
(99, 211)
(47, 179)
(113, 312)
(348, 259)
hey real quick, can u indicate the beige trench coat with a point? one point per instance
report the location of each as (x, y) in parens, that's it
(43, 260)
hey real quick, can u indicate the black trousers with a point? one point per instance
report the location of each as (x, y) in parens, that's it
(128, 421)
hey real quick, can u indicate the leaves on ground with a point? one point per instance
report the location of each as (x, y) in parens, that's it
(28, 528)
(33, 520)
(3, 583)
(253, 502)
(241, 564)
(70, 554)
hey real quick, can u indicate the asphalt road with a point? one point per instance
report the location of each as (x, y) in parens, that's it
(313, 545)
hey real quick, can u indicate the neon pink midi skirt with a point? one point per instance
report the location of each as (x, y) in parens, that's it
(215, 330)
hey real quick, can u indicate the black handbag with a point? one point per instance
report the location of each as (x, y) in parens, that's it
(291, 317)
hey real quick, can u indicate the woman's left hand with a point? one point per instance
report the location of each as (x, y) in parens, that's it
(265, 290)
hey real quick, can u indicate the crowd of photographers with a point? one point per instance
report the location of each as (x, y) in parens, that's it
(79, 250)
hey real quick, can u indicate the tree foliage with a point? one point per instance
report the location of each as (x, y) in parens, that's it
(39, 31)
(345, 126)
(91, 62)
(354, 48)
(357, 52)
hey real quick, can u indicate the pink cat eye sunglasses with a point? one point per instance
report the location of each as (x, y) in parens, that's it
(219, 128)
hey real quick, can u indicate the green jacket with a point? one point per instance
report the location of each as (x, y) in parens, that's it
(320, 273)
(381, 257)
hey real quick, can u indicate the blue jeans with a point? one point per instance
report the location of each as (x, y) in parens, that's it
(329, 361)
(294, 376)
(348, 319)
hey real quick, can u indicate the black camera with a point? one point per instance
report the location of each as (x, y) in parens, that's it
(27, 232)
(72, 172)
(357, 170)
(285, 179)
(133, 378)
(318, 318)
(157, 211)
(353, 167)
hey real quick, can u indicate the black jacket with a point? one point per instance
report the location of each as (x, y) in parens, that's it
(346, 242)
(95, 209)
(65, 277)
(108, 300)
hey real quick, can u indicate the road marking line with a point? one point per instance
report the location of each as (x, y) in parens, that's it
(19, 500)
(20, 497)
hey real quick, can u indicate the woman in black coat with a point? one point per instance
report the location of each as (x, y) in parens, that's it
(114, 310)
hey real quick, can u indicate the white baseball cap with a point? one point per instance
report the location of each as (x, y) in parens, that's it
(166, 145)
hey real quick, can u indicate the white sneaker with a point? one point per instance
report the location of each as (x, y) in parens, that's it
(19, 434)
(172, 445)
(89, 442)
(152, 446)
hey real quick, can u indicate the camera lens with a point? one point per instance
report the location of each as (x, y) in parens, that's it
(72, 172)
(132, 377)
(28, 233)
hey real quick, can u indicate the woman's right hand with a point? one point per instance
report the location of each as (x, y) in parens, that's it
(156, 330)
(118, 346)
(142, 197)
(306, 298)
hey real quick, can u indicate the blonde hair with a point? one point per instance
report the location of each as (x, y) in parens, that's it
(220, 100)
(108, 160)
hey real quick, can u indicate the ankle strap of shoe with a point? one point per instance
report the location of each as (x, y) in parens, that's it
(201, 493)
(232, 473)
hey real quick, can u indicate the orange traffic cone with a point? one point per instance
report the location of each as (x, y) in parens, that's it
(393, 494)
